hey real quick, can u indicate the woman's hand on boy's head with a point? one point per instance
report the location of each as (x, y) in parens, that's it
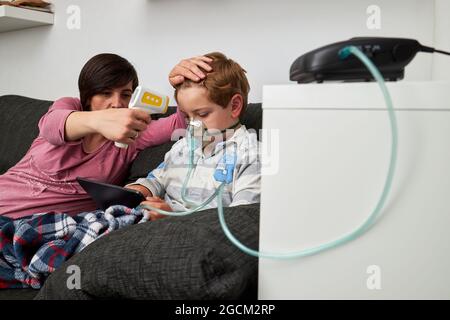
(189, 68)
(157, 203)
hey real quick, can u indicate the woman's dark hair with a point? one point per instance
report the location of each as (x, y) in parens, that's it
(103, 72)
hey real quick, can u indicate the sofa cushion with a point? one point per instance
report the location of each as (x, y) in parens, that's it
(18, 127)
(173, 258)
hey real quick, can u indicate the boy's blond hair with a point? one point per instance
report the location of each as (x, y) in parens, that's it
(226, 79)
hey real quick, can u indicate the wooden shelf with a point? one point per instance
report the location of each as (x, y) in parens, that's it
(13, 18)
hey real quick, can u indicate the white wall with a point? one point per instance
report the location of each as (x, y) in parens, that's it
(441, 63)
(265, 36)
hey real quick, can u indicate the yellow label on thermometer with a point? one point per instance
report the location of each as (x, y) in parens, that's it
(151, 99)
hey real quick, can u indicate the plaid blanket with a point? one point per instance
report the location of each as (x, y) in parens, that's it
(33, 247)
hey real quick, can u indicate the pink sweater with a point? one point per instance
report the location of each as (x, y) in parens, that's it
(45, 179)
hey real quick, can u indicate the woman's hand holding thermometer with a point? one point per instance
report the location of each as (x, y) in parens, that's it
(150, 101)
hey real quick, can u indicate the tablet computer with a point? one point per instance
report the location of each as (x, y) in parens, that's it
(106, 195)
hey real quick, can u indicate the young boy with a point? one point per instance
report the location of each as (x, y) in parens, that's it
(217, 101)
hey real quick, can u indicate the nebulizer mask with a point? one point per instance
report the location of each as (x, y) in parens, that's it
(196, 132)
(195, 129)
(197, 135)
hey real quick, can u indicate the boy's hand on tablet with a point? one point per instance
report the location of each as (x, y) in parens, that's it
(145, 192)
(157, 203)
(189, 68)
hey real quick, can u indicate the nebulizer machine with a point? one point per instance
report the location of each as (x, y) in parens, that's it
(225, 169)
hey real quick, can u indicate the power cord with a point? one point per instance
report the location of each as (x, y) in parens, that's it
(432, 50)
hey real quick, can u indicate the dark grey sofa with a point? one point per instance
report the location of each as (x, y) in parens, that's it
(173, 258)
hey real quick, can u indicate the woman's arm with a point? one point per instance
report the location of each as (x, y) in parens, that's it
(66, 122)
(114, 124)
(52, 124)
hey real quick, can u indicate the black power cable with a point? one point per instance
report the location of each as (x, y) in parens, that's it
(429, 49)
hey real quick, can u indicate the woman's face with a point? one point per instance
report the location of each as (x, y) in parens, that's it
(112, 98)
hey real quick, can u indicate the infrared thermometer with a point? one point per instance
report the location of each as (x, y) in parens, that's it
(148, 100)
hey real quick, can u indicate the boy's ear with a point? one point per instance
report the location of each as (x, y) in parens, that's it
(236, 105)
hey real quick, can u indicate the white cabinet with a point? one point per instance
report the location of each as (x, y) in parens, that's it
(333, 155)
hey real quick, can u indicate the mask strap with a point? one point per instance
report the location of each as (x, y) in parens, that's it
(224, 130)
(232, 127)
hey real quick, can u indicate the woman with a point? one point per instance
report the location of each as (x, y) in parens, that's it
(76, 138)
